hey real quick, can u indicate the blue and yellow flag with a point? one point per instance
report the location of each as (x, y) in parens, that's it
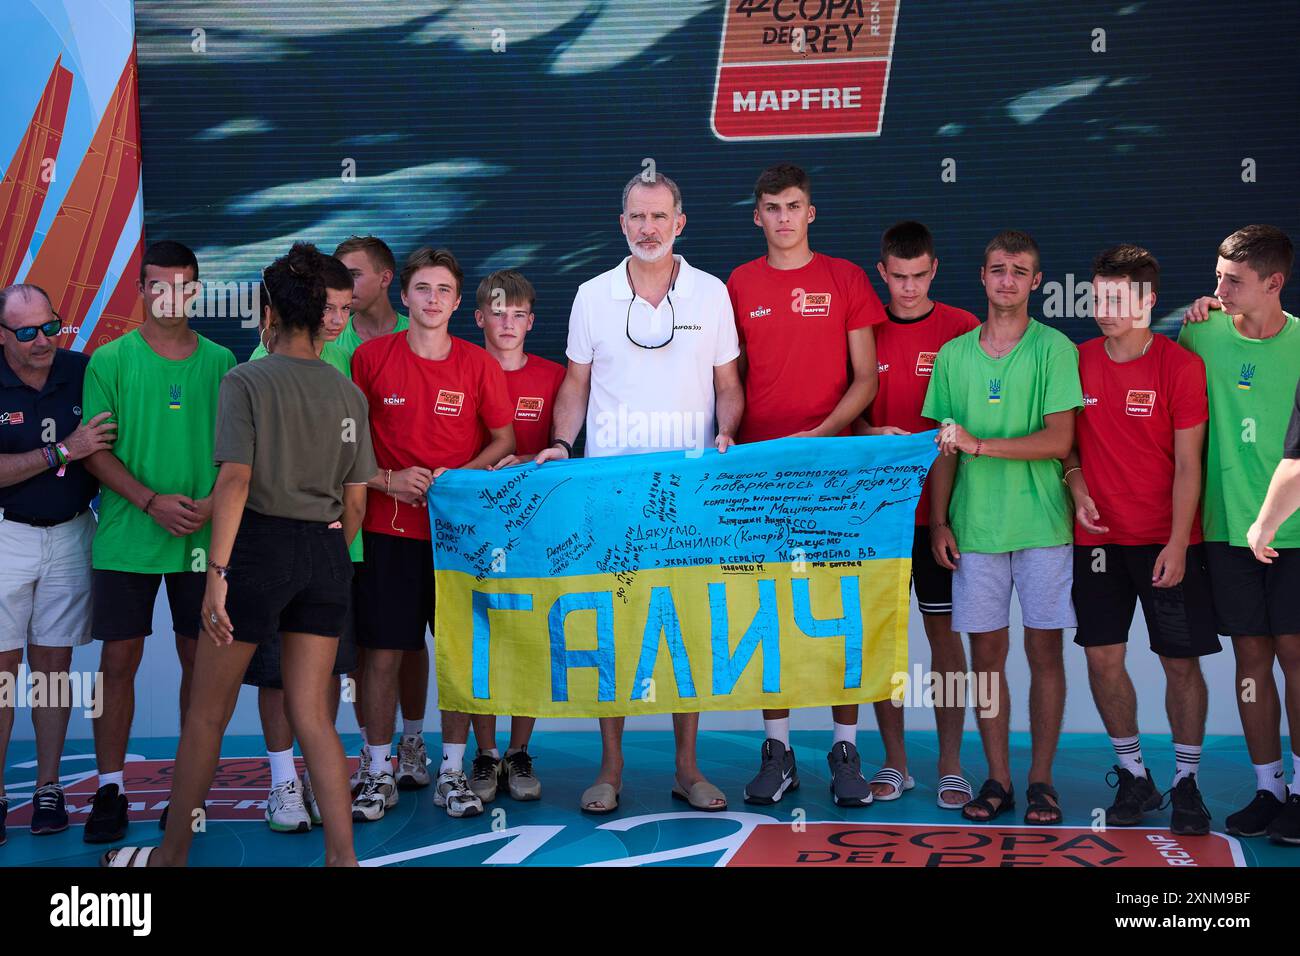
(774, 575)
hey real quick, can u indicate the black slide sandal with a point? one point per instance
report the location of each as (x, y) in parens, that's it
(991, 790)
(1037, 792)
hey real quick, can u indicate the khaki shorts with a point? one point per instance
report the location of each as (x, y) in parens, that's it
(45, 583)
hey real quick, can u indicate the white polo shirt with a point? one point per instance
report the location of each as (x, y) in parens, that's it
(647, 400)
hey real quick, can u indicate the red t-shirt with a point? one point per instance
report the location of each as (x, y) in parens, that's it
(905, 351)
(532, 396)
(794, 325)
(424, 413)
(1125, 435)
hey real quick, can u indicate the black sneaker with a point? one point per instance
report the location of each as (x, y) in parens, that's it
(108, 820)
(4, 812)
(776, 774)
(848, 787)
(1285, 827)
(1135, 796)
(1190, 817)
(1253, 819)
(50, 813)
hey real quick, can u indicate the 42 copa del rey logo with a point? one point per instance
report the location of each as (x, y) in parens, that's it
(800, 69)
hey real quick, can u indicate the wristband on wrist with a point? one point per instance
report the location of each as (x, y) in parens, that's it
(568, 449)
(149, 503)
(1065, 478)
(221, 569)
(979, 446)
(51, 458)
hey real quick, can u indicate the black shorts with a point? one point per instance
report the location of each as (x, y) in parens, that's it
(264, 668)
(1254, 599)
(394, 593)
(932, 581)
(287, 575)
(122, 603)
(1110, 578)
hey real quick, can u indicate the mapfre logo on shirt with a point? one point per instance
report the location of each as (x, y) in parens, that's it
(816, 305)
(529, 409)
(448, 403)
(1139, 403)
(925, 363)
(11, 418)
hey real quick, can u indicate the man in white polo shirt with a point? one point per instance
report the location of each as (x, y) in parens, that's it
(652, 367)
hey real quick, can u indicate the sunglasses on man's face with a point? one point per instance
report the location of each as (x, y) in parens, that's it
(28, 332)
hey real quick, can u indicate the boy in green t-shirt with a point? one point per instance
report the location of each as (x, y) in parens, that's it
(160, 383)
(373, 269)
(1251, 350)
(291, 806)
(1006, 394)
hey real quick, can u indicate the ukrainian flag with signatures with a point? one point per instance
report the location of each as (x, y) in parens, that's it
(774, 575)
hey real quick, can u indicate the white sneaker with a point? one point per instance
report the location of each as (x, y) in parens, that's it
(309, 800)
(355, 780)
(285, 812)
(412, 763)
(453, 792)
(378, 793)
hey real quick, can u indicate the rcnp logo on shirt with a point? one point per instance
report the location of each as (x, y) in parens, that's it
(448, 403)
(816, 305)
(1139, 403)
(925, 363)
(529, 409)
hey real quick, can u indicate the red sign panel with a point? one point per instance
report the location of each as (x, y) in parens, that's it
(803, 68)
(906, 844)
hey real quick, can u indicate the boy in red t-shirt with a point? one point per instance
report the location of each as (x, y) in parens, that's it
(1135, 475)
(808, 358)
(906, 346)
(429, 394)
(505, 314)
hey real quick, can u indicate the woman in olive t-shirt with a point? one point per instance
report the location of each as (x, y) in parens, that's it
(293, 445)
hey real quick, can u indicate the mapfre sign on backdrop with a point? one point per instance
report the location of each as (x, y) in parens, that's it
(803, 68)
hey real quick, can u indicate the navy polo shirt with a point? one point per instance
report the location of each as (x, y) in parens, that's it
(23, 412)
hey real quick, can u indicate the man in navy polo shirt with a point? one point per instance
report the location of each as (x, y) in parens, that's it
(45, 528)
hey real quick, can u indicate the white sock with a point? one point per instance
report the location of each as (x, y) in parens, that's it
(106, 778)
(515, 750)
(453, 758)
(1187, 760)
(493, 753)
(845, 733)
(1129, 754)
(381, 758)
(282, 768)
(778, 729)
(412, 728)
(1268, 776)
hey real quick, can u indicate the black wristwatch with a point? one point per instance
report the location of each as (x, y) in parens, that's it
(568, 449)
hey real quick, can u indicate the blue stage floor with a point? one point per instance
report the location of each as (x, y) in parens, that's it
(651, 829)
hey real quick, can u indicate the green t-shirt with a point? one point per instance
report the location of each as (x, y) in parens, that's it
(348, 339)
(341, 359)
(998, 504)
(1251, 385)
(330, 352)
(166, 415)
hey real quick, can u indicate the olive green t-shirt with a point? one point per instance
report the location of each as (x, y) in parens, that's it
(1251, 383)
(165, 412)
(302, 428)
(340, 359)
(1000, 504)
